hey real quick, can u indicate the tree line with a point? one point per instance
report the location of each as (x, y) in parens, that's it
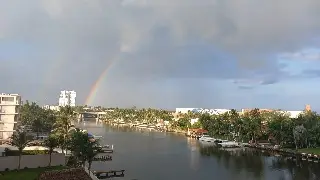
(62, 133)
(131, 115)
(275, 126)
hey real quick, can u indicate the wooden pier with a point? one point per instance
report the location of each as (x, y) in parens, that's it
(106, 151)
(108, 174)
(103, 158)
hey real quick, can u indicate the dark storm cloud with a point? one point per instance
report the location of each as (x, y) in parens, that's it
(311, 73)
(245, 87)
(76, 39)
(269, 81)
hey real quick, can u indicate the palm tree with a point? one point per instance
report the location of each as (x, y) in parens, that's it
(82, 148)
(64, 124)
(92, 149)
(78, 144)
(51, 143)
(20, 140)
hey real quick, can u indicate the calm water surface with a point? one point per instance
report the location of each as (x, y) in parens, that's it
(149, 155)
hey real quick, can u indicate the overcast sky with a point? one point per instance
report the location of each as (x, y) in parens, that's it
(165, 53)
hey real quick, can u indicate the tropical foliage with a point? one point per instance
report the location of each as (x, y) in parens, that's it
(63, 134)
(82, 147)
(276, 127)
(20, 140)
(51, 143)
(63, 125)
(41, 120)
(142, 115)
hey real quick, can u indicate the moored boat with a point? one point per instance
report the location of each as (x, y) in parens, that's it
(205, 137)
(152, 126)
(229, 144)
(143, 125)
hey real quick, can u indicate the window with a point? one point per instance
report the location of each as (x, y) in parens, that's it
(9, 99)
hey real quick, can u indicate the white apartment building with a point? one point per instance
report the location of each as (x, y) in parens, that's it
(202, 110)
(67, 98)
(9, 114)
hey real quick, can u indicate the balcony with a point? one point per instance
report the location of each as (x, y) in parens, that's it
(9, 103)
(7, 122)
(3, 112)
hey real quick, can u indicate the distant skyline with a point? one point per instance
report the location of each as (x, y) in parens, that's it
(164, 54)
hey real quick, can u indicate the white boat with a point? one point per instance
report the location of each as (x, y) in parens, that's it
(142, 125)
(229, 144)
(220, 141)
(151, 126)
(206, 138)
(97, 137)
(108, 147)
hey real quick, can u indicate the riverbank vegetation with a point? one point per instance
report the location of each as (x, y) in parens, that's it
(60, 131)
(275, 127)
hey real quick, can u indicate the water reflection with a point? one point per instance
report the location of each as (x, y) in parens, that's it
(298, 169)
(146, 154)
(194, 153)
(254, 162)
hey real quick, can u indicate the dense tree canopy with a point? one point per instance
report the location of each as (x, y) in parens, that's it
(275, 126)
(38, 118)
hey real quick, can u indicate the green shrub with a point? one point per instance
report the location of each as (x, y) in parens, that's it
(7, 169)
(72, 161)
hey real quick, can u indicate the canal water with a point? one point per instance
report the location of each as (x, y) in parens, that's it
(146, 155)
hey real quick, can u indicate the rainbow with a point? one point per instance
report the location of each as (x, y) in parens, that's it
(97, 83)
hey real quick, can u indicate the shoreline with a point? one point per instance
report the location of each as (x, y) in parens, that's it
(178, 131)
(283, 152)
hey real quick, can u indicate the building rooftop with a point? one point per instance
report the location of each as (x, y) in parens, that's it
(5, 94)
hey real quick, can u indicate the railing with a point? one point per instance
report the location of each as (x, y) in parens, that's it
(7, 122)
(9, 103)
(7, 112)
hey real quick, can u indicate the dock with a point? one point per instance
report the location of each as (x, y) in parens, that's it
(103, 158)
(106, 151)
(109, 174)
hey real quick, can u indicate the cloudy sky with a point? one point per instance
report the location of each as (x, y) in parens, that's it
(163, 53)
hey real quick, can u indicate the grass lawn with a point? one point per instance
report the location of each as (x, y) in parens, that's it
(27, 174)
(310, 151)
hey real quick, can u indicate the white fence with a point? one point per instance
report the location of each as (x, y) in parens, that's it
(31, 161)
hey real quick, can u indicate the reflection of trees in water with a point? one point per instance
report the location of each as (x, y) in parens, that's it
(253, 161)
(123, 128)
(298, 170)
(238, 161)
